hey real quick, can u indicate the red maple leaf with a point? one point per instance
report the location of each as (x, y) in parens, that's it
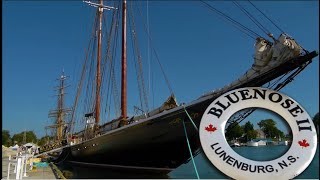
(303, 143)
(210, 128)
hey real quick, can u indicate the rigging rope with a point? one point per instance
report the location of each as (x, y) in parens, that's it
(115, 91)
(244, 29)
(149, 57)
(156, 54)
(112, 44)
(279, 86)
(270, 85)
(79, 87)
(135, 65)
(89, 98)
(190, 151)
(266, 16)
(104, 63)
(138, 64)
(185, 131)
(148, 51)
(109, 60)
(184, 108)
(254, 20)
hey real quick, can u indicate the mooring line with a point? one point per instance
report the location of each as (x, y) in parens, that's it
(190, 118)
(194, 164)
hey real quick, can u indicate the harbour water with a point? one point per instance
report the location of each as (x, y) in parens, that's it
(205, 169)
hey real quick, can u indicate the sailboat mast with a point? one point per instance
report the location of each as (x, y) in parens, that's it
(60, 108)
(124, 62)
(97, 107)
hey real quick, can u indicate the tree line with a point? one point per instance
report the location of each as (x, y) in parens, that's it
(245, 132)
(18, 138)
(267, 126)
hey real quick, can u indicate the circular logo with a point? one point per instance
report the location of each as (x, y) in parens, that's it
(218, 151)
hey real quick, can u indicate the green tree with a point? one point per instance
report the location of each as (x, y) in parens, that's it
(18, 138)
(30, 137)
(6, 139)
(44, 140)
(248, 127)
(268, 126)
(250, 133)
(234, 131)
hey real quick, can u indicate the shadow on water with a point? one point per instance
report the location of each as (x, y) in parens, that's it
(71, 171)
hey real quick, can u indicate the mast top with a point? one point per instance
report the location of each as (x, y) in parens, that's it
(100, 6)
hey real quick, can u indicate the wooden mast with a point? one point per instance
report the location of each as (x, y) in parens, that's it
(100, 7)
(61, 111)
(124, 62)
(60, 118)
(98, 76)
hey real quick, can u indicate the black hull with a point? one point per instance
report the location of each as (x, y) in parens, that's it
(159, 141)
(59, 156)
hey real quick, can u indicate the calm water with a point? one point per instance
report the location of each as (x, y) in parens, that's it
(205, 169)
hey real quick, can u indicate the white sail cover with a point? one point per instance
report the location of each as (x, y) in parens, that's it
(266, 57)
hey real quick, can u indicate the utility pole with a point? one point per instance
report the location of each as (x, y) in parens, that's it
(24, 136)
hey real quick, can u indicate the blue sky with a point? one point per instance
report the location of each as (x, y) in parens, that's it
(198, 50)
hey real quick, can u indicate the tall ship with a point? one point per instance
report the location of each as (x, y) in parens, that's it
(59, 116)
(162, 139)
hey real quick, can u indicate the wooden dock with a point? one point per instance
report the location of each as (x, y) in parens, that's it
(48, 172)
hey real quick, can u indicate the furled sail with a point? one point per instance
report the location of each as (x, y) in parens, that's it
(266, 57)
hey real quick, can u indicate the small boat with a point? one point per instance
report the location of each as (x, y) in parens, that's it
(235, 144)
(262, 143)
(252, 144)
(283, 143)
